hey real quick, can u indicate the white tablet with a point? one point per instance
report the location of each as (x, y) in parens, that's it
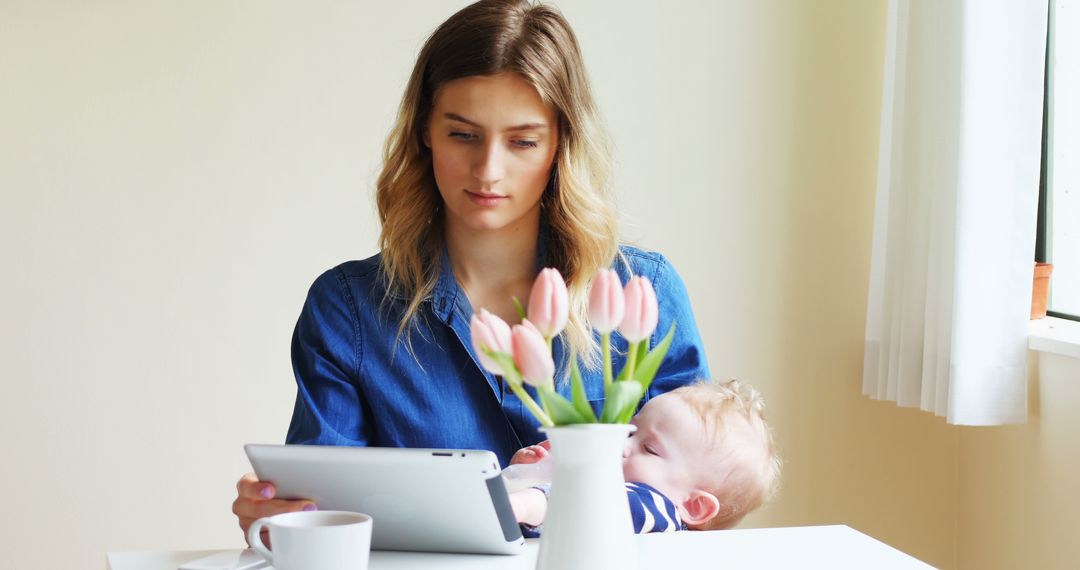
(435, 500)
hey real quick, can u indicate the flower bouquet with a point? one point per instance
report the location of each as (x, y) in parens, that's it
(522, 354)
(588, 523)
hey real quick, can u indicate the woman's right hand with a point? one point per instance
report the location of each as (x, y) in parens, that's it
(255, 499)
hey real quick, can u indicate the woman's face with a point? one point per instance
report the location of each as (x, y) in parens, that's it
(492, 144)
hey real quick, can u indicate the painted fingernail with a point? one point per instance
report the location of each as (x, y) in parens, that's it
(266, 492)
(311, 507)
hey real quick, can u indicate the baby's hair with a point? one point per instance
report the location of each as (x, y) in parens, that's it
(757, 477)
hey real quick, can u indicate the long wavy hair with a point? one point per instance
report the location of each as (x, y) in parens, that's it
(581, 235)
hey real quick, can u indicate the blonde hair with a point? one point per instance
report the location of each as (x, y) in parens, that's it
(486, 38)
(756, 477)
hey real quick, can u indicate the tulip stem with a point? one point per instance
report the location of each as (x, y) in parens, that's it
(631, 359)
(605, 344)
(531, 404)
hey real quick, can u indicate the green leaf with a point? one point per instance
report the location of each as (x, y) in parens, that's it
(506, 362)
(530, 404)
(520, 308)
(605, 344)
(621, 396)
(559, 409)
(577, 390)
(650, 363)
(513, 379)
(624, 374)
(642, 350)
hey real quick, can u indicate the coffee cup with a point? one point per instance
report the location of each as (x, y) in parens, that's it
(314, 540)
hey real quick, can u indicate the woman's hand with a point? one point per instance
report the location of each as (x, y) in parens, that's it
(533, 453)
(255, 499)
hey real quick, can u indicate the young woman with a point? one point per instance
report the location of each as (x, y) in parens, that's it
(498, 165)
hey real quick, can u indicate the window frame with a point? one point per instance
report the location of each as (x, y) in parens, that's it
(1043, 237)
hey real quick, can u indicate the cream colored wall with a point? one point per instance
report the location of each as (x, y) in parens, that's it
(801, 275)
(174, 175)
(1019, 503)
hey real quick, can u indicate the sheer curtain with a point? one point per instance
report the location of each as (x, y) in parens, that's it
(957, 191)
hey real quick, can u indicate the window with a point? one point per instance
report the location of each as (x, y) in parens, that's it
(1059, 192)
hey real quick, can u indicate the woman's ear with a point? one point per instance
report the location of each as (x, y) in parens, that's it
(700, 507)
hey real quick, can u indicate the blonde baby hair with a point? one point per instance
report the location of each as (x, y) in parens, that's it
(756, 476)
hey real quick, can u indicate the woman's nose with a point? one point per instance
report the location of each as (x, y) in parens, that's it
(491, 167)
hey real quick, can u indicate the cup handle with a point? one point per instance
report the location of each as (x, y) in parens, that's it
(255, 539)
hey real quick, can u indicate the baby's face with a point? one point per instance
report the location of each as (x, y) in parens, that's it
(670, 449)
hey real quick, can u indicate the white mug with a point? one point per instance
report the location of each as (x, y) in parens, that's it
(315, 540)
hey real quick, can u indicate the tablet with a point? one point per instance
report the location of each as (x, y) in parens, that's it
(435, 500)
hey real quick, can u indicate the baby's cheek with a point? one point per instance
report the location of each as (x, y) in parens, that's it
(633, 471)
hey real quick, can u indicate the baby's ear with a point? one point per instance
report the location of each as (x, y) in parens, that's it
(700, 507)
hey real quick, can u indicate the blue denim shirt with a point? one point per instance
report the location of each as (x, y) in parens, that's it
(357, 383)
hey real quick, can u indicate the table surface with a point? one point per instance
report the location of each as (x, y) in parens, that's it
(833, 547)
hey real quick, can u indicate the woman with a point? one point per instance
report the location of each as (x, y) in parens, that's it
(497, 166)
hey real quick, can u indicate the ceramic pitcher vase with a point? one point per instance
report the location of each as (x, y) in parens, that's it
(588, 524)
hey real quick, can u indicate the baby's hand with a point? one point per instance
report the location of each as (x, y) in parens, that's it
(532, 454)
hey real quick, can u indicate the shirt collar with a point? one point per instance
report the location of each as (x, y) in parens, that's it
(447, 291)
(444, 297)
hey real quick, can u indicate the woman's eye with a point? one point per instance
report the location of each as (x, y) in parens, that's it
(526, 144)
(462, 136)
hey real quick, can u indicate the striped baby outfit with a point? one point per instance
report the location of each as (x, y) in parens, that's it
(650, 511)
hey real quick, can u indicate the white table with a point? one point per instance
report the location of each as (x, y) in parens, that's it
(831, 547)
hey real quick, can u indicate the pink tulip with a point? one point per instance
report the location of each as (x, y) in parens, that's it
(607, 304)
(642, 312)
(490, 332)
(532, 355)
(549, 303)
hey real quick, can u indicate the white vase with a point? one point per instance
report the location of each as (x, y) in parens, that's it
(588, 525)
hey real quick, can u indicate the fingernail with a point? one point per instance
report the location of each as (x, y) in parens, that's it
(311, 507)
(267, 492)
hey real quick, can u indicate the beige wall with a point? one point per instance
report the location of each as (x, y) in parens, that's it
(1019, 503)
(885, 471)
(174, 175)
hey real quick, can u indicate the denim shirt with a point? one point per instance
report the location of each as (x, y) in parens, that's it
(358, 384)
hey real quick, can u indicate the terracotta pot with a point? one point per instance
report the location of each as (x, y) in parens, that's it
(1040, 290)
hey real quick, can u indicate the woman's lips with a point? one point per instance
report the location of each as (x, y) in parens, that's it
(486, 200)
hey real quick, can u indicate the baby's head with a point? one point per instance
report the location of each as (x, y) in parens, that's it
(706, 447)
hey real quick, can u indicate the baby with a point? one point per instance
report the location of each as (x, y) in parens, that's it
(703, 453)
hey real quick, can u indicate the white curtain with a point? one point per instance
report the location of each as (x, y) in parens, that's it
(957, 192)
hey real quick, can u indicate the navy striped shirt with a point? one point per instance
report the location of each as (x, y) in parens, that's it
(650, 511)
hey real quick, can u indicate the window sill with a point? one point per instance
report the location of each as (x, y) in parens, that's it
(1056, 336)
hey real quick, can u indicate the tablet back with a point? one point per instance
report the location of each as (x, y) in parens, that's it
(438, 500)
